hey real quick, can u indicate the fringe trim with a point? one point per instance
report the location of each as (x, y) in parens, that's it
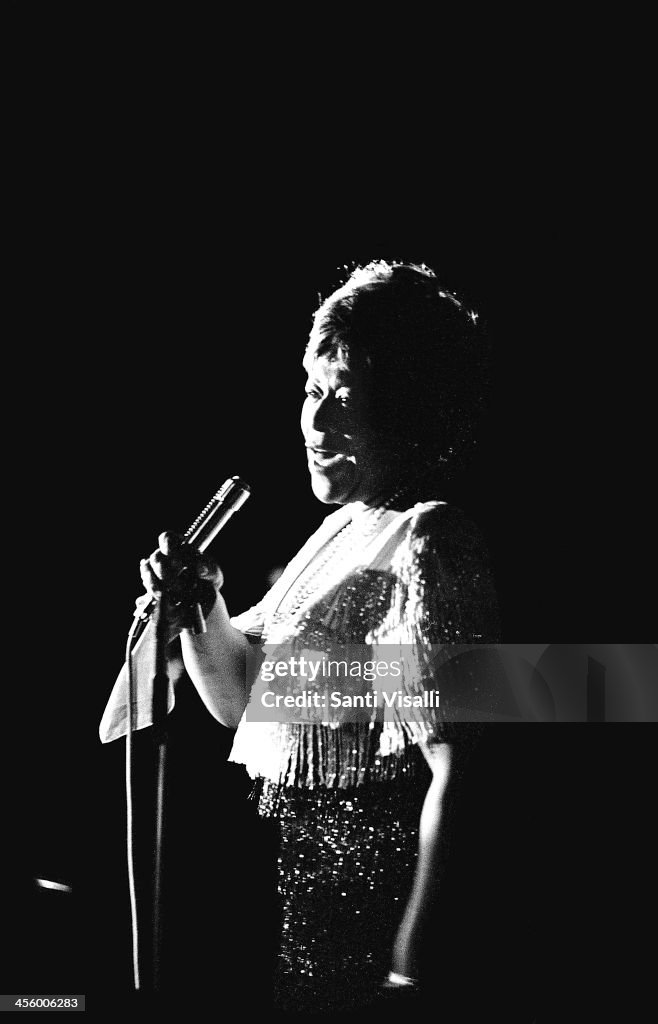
(310, 756)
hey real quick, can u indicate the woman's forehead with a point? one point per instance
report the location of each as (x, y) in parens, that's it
(330, 370)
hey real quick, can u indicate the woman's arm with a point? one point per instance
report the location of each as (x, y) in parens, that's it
(216, 662)
(431, 855)
(447, 597)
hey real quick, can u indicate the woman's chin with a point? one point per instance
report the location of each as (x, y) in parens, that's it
(331, 491)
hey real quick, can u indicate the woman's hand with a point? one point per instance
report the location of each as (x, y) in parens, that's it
(184, 575)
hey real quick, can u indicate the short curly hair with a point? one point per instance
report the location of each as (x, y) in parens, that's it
(420, 350)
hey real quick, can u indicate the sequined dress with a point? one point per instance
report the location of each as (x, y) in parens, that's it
(346, 796)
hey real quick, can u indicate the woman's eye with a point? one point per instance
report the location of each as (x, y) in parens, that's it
(312, 393)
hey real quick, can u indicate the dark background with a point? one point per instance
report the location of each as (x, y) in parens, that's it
(156, 362)
(162, 275)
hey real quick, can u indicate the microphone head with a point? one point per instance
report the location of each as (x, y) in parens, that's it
(229, 498)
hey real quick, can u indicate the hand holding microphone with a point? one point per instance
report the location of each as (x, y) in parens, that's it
(179, 567)
(187, 576)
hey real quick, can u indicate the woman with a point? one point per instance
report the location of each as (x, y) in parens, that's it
(396, 382)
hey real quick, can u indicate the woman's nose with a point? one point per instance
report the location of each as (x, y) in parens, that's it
(323, 416)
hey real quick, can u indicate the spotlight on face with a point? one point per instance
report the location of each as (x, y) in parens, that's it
(345, 458)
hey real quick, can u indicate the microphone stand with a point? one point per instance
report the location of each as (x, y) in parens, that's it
(160, 737)
(230, 497)
(194, 620)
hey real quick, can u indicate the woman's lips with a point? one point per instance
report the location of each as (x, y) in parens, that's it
(325, 459)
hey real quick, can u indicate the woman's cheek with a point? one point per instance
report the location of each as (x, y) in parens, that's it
(305, 417)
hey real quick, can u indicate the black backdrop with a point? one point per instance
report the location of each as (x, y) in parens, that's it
(155, 354)
(166, 238)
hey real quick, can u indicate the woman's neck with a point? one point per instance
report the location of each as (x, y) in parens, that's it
(397, 497)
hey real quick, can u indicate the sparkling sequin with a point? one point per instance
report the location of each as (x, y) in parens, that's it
(341, 912)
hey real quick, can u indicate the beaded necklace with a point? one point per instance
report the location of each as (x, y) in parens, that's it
(338, 553)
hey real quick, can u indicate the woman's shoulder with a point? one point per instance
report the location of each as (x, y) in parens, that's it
(437, 523)
(429, 531)
(446, 575)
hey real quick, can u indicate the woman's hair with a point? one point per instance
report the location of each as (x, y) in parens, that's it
(422, 355)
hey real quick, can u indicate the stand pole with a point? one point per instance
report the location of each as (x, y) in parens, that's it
(160, 694)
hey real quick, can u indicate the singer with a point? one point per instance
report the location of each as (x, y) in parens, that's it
(397, 381)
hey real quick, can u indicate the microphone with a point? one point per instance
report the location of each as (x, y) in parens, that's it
(230, 497)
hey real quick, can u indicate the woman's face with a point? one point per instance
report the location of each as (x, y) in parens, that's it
(345, 461)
